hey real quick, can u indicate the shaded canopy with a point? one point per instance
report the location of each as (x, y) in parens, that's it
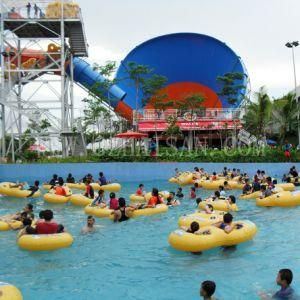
(131, 135)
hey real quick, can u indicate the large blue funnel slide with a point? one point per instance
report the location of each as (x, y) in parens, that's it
(191, 62)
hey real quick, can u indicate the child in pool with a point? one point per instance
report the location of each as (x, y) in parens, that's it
(193, 193)
(207, 290)
(214, 176)
(179, 193)
(140, 191)
(99, 200)
(227, 225)
(195, 229)
(171, 201)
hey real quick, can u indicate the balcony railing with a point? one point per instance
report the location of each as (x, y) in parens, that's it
(189, 115)
(44, 9)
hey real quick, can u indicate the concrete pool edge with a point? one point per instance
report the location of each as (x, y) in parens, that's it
(129, 171)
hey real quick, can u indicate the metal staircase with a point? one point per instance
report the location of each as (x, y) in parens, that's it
(77, 40)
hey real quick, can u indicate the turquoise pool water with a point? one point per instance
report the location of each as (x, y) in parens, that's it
(133, 260)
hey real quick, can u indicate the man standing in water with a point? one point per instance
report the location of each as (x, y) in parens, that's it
(89, 228)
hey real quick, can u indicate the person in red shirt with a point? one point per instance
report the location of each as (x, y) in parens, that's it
(48, 226)
(60, 190)
(214, 177)
(193, 193)
(154, 200)
(89, 191)
(140, 191)
(113, 202)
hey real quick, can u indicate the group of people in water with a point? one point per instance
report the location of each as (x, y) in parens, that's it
(57, 184)
(284, 280)
(292, 175)
(44, 225)
(260, 182)
(25, 187)
(121, 212)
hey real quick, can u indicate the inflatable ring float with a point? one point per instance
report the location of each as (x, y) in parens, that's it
(80, 200)
(216, 237)
(9, 292)
(281, 199)
(6, 190)
(202, 218)
(222, 205)
(45, 242)
(51, 197)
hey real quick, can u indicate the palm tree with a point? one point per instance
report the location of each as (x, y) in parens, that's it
(258, 114)
(284, 116)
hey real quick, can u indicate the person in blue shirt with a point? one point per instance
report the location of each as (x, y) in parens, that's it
(100, 200)
(284, 280)
(152, 148)
(102, 179)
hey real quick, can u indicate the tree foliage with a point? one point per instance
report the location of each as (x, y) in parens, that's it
(258, 114)
(231, 86)
(284, 116)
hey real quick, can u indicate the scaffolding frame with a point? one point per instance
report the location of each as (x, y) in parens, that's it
(15, 107)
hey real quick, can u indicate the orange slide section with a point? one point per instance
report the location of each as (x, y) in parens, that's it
(33, 59)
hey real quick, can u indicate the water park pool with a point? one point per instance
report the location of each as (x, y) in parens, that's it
(133, 260)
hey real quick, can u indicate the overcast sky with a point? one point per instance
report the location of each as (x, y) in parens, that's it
(256, 30)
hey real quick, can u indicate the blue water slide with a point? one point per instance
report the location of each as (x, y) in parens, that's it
(85, 75)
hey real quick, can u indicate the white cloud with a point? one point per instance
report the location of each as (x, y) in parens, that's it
(99, 54)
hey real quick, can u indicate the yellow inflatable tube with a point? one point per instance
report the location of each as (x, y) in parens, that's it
(51, 197)
(184, 178)
(80, 200)
(8, 225)
(250, 196)
(47, 186)
(286, 186)
(9, 292)
(136, 198)
(98, 211)
(173, 180)
(235, 185)
(214, 185)
(202, 218)
(112, 187)
(258, 194)
(281, 199)
(6, 190)
(210, 185)
(158, 209)
(222, 205)
(181, 240)
(107, 213)
(45, 242)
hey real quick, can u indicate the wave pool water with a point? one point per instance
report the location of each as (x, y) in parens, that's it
(133, 260)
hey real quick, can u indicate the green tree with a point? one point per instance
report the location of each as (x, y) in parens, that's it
(97, 112)
(231, 86)
(151, 88)
(258, 114)
(92, 115)
(284, 116)
(173, 131)
(192, 104)
(138, 74)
